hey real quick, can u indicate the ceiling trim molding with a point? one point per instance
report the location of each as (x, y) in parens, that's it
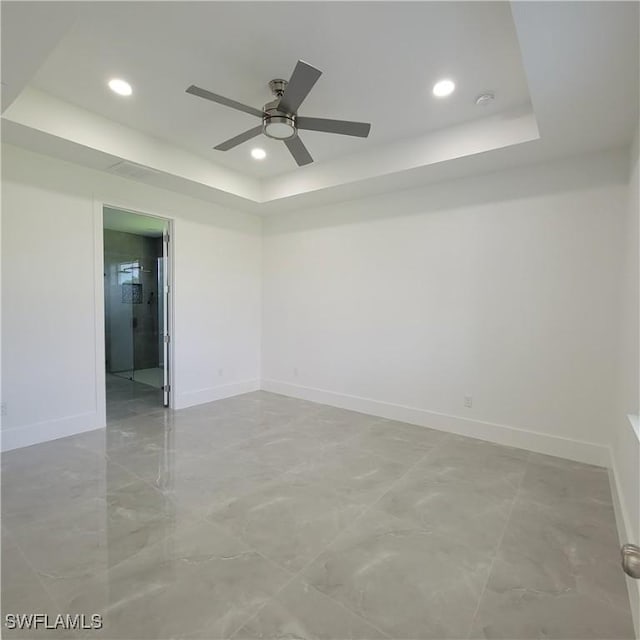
(80, 129)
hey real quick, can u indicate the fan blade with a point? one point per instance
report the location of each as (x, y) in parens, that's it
(298, 151)
(303, 78)
(343, 127)
(239, 139)
(227, 102)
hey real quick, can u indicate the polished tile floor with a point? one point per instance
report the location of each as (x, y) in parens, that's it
(126, 398)
(150, 377)
(262, 516)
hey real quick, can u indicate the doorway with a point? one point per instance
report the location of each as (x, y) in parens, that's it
(136, 313)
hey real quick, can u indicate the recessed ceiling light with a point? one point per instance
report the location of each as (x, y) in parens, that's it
(121, 87)
(443, 88)
(258, 154)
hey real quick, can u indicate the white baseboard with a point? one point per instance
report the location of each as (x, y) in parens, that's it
(625, 534)
(577, 450)
(200, 396)
(24, 436)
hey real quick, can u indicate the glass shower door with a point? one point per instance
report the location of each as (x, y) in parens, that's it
(151, 318)
(121, 291)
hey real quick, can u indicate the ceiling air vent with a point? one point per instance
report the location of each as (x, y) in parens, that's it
(131, 170)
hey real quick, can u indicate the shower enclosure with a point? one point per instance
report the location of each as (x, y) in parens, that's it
(136, 310)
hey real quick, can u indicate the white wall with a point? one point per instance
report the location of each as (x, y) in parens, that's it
(625, 443)
(503, 287)
(51, 256)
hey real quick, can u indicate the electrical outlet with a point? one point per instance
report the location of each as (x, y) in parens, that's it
(3, 409)
(468, 402)
(295, 372)
(220, 372)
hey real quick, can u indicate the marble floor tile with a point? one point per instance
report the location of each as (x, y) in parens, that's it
(407, 581)
(202, 485)
(300, 611)
(548, 482)
(68, 548)
(267, 410)
(462, 449)
(277, 402)
(144, 446)
(128, 399)
(400, 442)
(290, 521)
(271, 517)
(23, 593)
(206, 436)
(561, 463)
(562, 558)
(38, 499)
(199, 582)
(137, 431)
(137, 516)
(248, 411)
(119, 411)
(346, 419)
(500, 469)
(462, 488)
(72, 541)
(285, 450)
(328, 430)
(359, 475)
(470, 513)
(76, 454)
(527, 614)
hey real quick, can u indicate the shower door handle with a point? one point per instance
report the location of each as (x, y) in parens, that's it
(631, 560)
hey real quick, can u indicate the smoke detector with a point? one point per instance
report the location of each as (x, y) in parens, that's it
(485, 98)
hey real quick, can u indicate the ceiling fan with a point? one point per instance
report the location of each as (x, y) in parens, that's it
(280, 119)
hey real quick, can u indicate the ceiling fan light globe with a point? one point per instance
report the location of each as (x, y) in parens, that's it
(279, 128)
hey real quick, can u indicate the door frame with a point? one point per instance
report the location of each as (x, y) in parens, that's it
(98, 228)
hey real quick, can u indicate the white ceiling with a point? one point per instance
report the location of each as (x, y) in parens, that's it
(552, 66)
(379, 62)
